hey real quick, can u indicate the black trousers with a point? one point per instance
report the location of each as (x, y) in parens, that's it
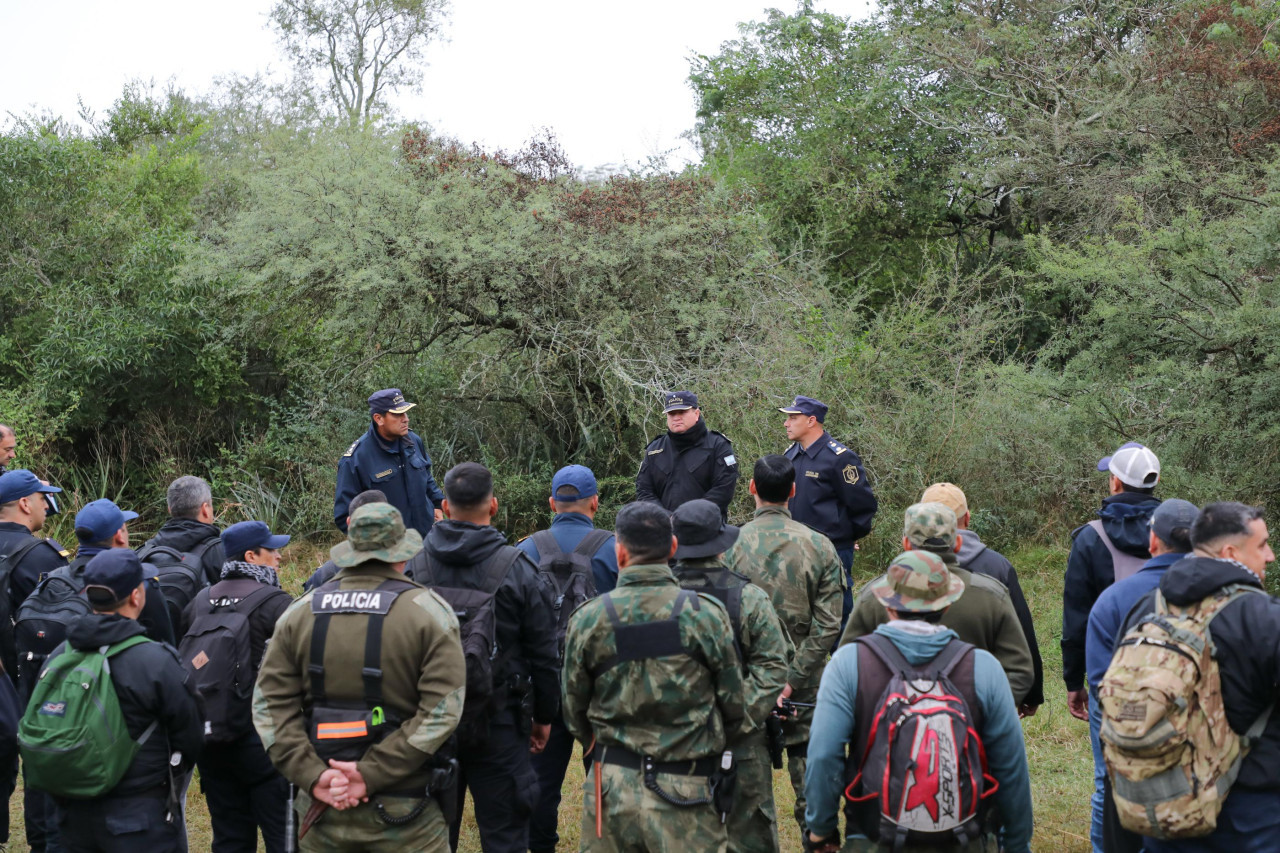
(245, 794)
(120, 825)
(503, 787)
(550, 767)
(40, 819)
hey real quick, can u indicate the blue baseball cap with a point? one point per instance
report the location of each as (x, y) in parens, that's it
(19, 483)
(806, 406)
(388, 400)
(1104, 464)
(250, 536)
(99, 520)
(111, 575)
(573, 483)
(679, 401)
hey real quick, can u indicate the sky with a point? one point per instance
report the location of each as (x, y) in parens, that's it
(608, 78)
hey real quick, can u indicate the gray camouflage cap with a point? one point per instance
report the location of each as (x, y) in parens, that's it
(930, 525)
(376, 531)
(917, 582)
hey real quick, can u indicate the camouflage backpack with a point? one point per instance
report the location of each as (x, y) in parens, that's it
(1170, 753)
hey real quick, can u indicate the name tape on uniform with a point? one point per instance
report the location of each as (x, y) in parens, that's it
(354, 601)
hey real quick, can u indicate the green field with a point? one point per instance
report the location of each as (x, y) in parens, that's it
(1057, 744)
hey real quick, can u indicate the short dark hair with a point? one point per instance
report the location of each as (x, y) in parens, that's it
(933, 617)
(774, 476)
(644, 529)
(1179, 539)
(372, 496)
(468, 484)
(1221, 520)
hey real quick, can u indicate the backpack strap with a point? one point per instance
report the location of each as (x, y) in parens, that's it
(1122, 565)
(885, 650)
(657, 638)
(371, 673)
(591, 543)
(111, 651)
(545, 542)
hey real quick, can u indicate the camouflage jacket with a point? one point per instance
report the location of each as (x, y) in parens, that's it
(766, 649)
(423, 676)
(801, 571)
(674, 708)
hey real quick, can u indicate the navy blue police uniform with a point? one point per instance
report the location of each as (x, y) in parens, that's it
(401, 469)
(698, 463)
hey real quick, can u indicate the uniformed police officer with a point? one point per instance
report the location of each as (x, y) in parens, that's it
(390, 457)
(689, 461)
(832, 495)
(361, 687)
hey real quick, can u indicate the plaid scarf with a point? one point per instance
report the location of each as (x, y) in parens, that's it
(252, 571)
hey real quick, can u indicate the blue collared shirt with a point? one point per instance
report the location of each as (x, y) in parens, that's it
(570, 528)
(1110, 610)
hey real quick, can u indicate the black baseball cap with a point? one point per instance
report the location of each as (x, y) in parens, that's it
(114, 573)
(679, 401)
(700, 530)
(806, 406)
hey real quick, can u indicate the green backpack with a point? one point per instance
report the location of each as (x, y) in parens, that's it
(72, 738)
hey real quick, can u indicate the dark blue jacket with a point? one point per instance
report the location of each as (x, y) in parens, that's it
(1126, 518)
(1110, 610)
(833, 495)
(570, 528)
(1244, 634)
(682, 468)
(401, 470)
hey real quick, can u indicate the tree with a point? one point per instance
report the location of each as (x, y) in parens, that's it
(363, 49)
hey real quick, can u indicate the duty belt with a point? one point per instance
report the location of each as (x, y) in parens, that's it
(620, 756)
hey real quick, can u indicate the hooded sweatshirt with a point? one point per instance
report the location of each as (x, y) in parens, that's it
(186, 535)
(833, 727)
(523, 607)
(1126, 519)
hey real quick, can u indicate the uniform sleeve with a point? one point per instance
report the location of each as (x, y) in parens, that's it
(867, 614)
(829, 735)
(768, 653)
(1006, 753)
(1100, 637)
(604, 567)
(1079, 592)
(277, 705)
(857, 496)
(348, 487)
(1011, 649)
(646, 488)
(725, 477)
(539, 643)
(578, 686)
(825, 609)
(39, 562)
(441, 690)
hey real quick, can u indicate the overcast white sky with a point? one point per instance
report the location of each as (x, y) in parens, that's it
(608, 78)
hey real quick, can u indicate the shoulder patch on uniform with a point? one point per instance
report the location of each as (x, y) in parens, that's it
(850, 474)
(352, 448)
(730, 460)
(836, 446)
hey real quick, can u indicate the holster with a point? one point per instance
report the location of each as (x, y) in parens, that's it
(775, 739)
(724, 786)
(442, 784)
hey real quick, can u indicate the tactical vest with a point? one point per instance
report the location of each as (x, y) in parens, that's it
(726, 586)
(658, 638)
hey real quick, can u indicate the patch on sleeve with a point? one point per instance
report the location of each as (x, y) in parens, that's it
(730, 460)
(851, 474)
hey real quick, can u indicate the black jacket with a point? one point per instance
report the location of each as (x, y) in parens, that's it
(698, 463)
(977, 557)
(523, 605)
(1126, 519)
(262, 619)
(35, 564)
(1248, 655)
(186, 534)
(150, 684)
(155, 614)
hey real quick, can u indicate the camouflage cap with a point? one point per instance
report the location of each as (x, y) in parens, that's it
(917, 582)
(930, 525)
(376, 532)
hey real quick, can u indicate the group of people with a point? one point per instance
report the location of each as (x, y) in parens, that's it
(689, 658)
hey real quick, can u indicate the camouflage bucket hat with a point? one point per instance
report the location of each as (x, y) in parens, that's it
(930, 525)
(917, 582)
(376, 532)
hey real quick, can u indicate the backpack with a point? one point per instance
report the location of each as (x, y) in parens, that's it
(725, 585)
(569, 574)
(1168, 747)
(1123, 565)
(73, 738)
(217, 655)
(8, 562)
(923, 760)
(44, 618)
(477, 622)
(181, 575)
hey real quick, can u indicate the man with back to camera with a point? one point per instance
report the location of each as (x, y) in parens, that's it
(389, 457)
(329, 568)
(833, 495)
(688, 461)
(189, 529)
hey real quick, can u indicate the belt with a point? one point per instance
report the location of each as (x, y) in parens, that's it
(620, 756)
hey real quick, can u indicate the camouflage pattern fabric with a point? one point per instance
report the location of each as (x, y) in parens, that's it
(360, 830)
(1165, 737)
(376, 531)
(635, 820)
(673, 708)
(930, 525)
(917, 582)
(753, 823)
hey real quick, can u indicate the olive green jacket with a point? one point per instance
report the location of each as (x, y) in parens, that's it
(674, 708)
(423, 676)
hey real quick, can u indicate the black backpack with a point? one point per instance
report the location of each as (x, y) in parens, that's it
(43, 620)
(181, 575)
(569, 574)
(217, 655)
(8, 654)
(477, 621)
(725, 585)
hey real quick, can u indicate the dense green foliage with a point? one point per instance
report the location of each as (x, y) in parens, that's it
(999, 238)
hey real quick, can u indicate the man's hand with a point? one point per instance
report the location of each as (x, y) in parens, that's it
(325, 787)
(823, 845)
(538, 737)
(1025, 711)
(352, 791)
(1078, 703)
(783, 697)
(439, 515)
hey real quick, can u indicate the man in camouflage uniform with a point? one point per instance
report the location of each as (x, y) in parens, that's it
(422, 680)
(702, 539)
(652, 680)
(800, 569)
(983, 616)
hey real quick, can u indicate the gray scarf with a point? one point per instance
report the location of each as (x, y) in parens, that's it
(252, 571)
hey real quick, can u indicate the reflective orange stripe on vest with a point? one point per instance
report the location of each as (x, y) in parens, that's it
(330, 731)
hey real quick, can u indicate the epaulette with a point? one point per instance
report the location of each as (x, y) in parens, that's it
(836, 447)
(654, 441)
(352, 448)
(62, 552)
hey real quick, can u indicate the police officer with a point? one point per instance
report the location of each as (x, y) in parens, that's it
(8, 447)
(390, 457)
(652, 679)
(689, 461)
(26, 557)
(361, 688)
(832, 495)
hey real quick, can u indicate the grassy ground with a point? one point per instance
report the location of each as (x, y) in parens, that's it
(1057, 744)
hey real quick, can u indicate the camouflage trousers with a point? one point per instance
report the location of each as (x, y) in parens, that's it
(796, 734)
(360, 829)
(753, 823)
(635, 820)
